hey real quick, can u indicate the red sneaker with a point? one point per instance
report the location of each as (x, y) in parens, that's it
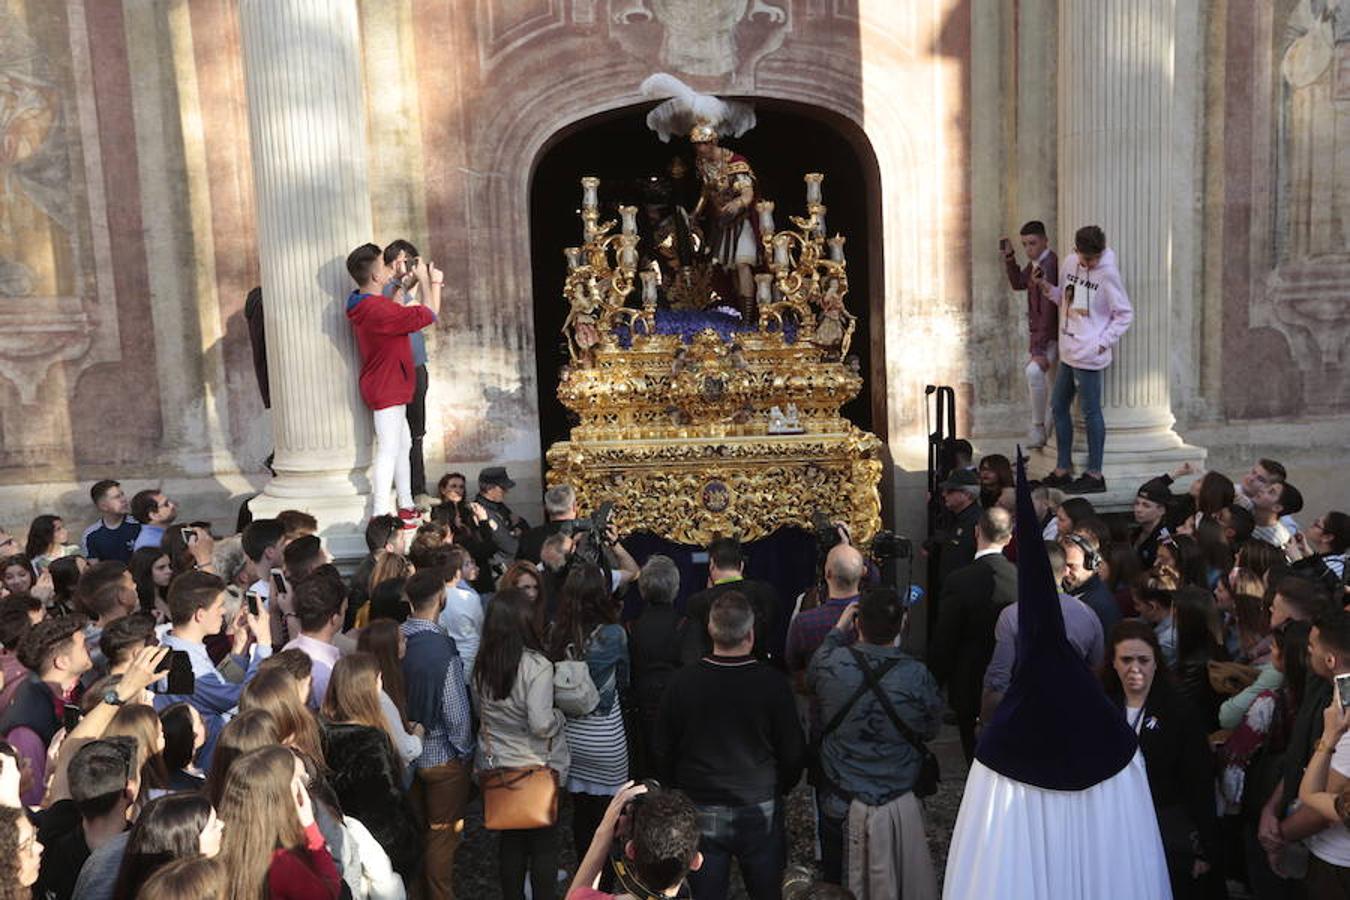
(411, 518)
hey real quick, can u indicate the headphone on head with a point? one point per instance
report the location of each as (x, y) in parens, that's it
(1091, 558)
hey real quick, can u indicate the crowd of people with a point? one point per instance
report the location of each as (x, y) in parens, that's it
(232, 716)
(1218, 626)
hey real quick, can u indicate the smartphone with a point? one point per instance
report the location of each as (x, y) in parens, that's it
(251, 601)
(1005, 245)
(279, 582)
(181, 680)
(166, 661)
(189, 535)
(1343, 689)
(70, 717)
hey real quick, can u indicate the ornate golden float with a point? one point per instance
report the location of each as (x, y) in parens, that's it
(708, 434)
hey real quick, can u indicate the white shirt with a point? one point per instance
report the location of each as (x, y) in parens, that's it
(1332, 844)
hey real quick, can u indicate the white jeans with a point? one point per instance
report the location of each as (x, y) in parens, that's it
(393, 441)
(1038, 385)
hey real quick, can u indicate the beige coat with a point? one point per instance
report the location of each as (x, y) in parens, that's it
(524, 729)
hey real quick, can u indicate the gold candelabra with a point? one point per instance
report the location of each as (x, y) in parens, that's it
(600, 276)
(809, 275)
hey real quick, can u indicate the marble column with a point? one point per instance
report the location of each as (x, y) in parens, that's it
(1115, 118)
(307, 126)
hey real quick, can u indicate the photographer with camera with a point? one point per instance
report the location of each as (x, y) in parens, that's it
(868, 776)
(560, 506)
(650, 836)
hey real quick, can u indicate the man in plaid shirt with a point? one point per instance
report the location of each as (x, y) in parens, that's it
(438, 699)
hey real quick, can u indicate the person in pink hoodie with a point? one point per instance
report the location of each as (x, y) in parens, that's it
(1095, 312)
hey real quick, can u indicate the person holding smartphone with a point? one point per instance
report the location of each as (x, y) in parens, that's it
(1042, 318)
(1095, 313)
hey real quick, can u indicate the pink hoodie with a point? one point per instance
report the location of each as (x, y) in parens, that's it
(1087, 336)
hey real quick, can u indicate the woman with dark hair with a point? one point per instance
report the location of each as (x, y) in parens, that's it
(1261, 559)
(383, 640)
(1073, 512)
(1176, 756)
(184, 736)
(996, 474)
(177, 826)
(1248, 770)
(16, 574)
(388, 567)
(1320, 554)
(47, 537)
(20, 851)
(152, 571)
(273, 847)
(363, 769)
(523, 575)
(588, 628)
(20, 854)
(1214, 550)
(466, 520)
(65, 574)
(1199, 642)
(387, 601)
(1212, 492)
(512, 684)
(1121, 571)
(1180, 554)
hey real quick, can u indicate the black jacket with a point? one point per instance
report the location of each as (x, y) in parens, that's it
(365, 776)
(728, 733)
(770, 627)
(1180, 768)
(654, 641)
(963, 642)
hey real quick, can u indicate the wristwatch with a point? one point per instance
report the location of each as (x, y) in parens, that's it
(110, 697)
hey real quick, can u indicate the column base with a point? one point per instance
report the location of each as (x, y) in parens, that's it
(342, 511)
(1125, 467)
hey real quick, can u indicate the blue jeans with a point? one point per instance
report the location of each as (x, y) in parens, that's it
(755, 836)
(1087, 384)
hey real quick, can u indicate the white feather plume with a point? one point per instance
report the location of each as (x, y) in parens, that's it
(687, 107)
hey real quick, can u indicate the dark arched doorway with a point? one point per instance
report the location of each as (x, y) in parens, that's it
(789, 141)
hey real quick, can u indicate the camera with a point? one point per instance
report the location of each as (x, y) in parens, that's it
(889, 545)
(826, 533)
(592, 549)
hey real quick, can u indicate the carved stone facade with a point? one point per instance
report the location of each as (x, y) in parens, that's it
(123, 349)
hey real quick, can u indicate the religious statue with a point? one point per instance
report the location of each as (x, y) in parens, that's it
(723, 213)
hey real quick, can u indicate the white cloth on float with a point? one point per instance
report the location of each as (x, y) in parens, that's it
(1015, 840)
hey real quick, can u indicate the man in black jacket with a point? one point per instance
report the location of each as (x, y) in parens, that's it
(726, 573)
(972, 598)
(729, 737)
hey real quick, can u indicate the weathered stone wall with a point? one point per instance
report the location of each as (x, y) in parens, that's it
(131, 238)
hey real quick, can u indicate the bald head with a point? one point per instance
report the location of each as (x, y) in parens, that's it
(995, 528)
(844, 569)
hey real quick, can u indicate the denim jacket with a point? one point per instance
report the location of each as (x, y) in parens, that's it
(866, 756)
(606, 654)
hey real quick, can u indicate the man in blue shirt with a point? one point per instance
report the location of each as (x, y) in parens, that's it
(197, 609)
(155, 512)
(438, 698)
(114, 535)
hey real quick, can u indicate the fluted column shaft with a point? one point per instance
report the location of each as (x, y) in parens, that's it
(306, 109)
(1115, 112)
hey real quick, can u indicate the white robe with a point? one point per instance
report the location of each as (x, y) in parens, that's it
(1015, 840)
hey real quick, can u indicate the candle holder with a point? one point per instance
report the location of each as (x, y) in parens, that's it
(629, 216)
(765, 210)
(590, 192)
(813, 183)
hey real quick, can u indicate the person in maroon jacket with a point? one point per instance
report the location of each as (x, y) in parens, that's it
(1042, 317)
(388, 377)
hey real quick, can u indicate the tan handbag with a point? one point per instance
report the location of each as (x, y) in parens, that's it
(519, 798)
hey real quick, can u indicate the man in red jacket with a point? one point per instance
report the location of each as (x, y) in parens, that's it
(388, 377)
